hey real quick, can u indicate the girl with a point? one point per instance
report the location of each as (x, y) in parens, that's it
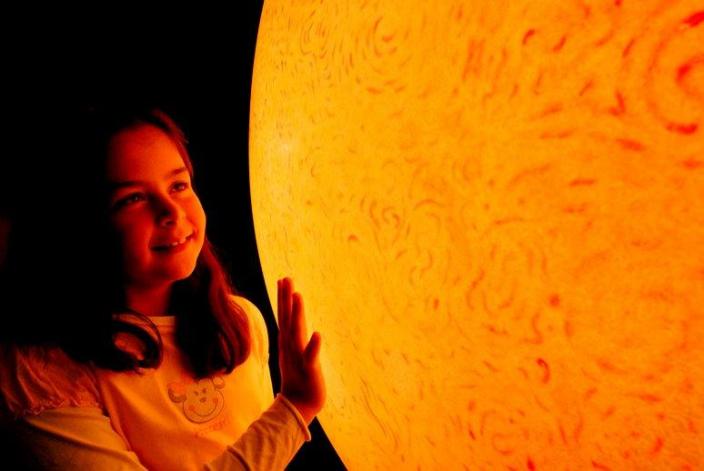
(139, 354)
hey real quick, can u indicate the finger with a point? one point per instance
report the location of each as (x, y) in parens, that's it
(299, 322)
(313, 349)
(279, 304)
(283, 322)
(288, 308)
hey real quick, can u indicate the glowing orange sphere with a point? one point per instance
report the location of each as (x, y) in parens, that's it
(495, 214)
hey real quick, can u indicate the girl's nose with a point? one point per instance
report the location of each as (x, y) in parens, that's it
(168, 211)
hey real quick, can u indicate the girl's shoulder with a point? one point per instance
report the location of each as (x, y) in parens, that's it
(36, 378)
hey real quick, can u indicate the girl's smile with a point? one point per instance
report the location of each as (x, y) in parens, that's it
(176, 246)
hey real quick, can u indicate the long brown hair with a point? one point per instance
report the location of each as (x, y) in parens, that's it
(61, 284)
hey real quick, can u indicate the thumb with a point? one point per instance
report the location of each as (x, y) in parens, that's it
(313, 348)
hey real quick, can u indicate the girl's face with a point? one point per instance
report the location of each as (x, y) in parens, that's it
(152, 207)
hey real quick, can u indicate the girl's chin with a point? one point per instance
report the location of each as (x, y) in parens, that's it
(180, 274)
(164, 275)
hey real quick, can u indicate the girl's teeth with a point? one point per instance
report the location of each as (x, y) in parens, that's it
(174, 244)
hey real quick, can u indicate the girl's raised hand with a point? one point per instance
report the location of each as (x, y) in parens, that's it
(302, 380)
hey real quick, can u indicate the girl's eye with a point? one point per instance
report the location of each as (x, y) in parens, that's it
(131, 199)
(180, 186)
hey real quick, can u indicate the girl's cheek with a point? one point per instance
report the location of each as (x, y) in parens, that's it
(198, 213)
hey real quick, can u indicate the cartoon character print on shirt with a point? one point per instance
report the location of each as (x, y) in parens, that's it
(201, 401)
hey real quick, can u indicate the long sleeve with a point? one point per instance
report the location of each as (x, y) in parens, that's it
(77, 438)
(72, 438)
(269, 443)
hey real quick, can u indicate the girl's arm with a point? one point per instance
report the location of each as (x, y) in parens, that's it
(81, 438)
(71, 438)
(269, 443)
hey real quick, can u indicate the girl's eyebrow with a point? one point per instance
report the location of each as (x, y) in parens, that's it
(117, 185)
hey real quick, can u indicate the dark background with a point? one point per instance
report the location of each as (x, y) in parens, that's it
(197, 66)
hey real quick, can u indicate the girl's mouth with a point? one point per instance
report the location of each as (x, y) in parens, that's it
(175, 246)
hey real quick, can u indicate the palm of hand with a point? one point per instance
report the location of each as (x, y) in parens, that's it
(302, 380)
